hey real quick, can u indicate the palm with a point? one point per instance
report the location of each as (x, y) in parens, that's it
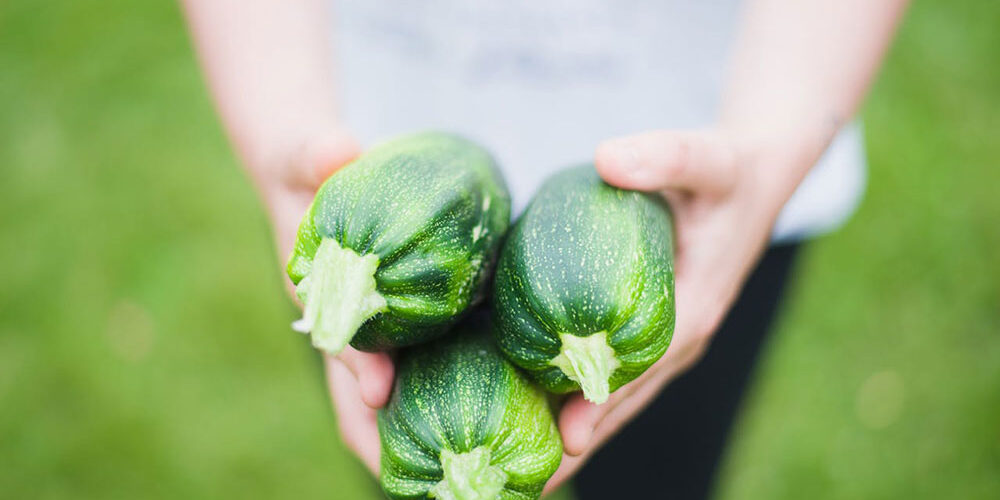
(359, 382)
(719, 237)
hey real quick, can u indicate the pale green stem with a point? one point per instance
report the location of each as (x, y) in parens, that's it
(469, 476)
(588, 361)
(339, 295)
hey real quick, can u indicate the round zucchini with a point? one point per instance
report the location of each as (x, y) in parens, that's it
(584, 291)
(465, 424)
(399, 243)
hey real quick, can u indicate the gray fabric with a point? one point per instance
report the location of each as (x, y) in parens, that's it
(542, 82)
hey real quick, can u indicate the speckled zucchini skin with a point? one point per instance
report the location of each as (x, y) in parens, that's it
(586, 257)
(433, 207)
(459, 393)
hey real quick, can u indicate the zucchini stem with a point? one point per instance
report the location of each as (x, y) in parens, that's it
(469, 476)
(339, 295)
(588, 361)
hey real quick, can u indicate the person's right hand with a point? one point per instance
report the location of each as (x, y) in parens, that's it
(359, 382)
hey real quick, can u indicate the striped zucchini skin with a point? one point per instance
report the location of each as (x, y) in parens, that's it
(456, 396)
(584, 258)
(433, 208)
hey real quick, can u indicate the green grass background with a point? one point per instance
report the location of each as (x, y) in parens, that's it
(144, 342)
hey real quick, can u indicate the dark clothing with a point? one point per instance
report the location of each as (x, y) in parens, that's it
(673, 449)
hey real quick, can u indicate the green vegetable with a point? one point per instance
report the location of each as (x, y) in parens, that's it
(584, 287)
(397, 244)
(465, 424)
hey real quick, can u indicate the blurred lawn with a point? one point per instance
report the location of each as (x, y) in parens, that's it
(144, 341)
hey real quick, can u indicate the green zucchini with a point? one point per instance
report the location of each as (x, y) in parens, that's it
(399, 243)
(464, 424)
(584, 290)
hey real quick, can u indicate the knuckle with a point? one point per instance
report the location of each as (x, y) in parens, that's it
(677, 160)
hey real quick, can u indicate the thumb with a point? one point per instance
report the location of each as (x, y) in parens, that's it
(700, 161)
(373, 371)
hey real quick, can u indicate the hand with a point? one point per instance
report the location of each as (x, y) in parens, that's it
(359, 382)
(724, 200)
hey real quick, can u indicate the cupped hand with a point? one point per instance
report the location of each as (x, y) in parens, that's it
(359, 382)
(724, 198)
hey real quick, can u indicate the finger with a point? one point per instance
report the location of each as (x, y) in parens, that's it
(357, 422)
(585, 426)
(701, 161)
(373, 372)
(287, 212)
(320, 158)
(643, 393)
(595, 424)
(578, 418)
(582, 424)
(567, 467)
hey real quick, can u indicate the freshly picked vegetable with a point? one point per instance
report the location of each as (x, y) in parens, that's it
(465, 424)
(584, 290)
(399, 243)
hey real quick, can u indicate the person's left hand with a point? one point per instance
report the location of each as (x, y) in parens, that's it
(724, 195)
(287, 179)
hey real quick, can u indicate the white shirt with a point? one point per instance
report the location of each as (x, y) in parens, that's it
(541, 82)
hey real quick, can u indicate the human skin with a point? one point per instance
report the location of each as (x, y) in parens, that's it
(799, 71)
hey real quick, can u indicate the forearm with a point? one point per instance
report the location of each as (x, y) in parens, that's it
(270, 71)
(799, 72)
